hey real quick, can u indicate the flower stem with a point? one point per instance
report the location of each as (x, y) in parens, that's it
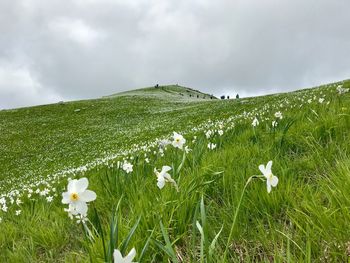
(235, 217)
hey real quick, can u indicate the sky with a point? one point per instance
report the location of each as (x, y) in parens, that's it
(77, 49)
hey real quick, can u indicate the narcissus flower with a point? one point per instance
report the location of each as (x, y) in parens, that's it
(118, 257)
(342, 90)
(271, 180)
(163, 177)
(187, 149)
(127, 167)
(211, 146)
(208, 134)
(178, 140)
(255, 122)
(279, 115)
(77, 196)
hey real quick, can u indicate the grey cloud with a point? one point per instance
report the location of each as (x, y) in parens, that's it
(85, 49)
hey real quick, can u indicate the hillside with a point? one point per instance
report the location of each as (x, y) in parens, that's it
(168, 91)
(47, 139)
(210, 211)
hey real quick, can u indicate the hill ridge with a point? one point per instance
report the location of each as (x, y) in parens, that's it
(173, 90)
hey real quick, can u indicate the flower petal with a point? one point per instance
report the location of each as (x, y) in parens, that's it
(161, 182)
(82, 184)
(87, 196)
(72, 186)
(165, 169)
(117, 256)
(81, 207)
(268, 167)
(262, 169)
(131, 255)
(274, 181)
(73, 209)
(65, 198)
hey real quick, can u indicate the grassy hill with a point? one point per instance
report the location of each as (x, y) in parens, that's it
(170, 91)
(215, 216)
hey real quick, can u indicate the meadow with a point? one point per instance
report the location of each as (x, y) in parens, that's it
(178, 178)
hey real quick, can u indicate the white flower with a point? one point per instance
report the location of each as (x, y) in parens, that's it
(271, 180)
(44, 192)
(4, 208)
(321, 100)
(81, 219)
(278, 114)
(127, 167)
(208, 134)
(187, 149)
(255, 122)
(342, 90)
(211, 146)
(118, 258)
(220, 132)
(49, 199)
(18, 212)
(77, 196)
(164, 176)
(274, 123)
(178, 140)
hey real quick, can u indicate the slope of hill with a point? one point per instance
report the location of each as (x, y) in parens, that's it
(211, 209)
(168, 91)
(47, 139)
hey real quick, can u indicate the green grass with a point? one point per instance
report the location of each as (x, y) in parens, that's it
(304, 219)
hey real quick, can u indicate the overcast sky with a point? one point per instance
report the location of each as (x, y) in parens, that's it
(54, 50)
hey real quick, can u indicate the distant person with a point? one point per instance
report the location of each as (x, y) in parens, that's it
(228, 97)
(237, 96)
(156, 86)
(222, 97)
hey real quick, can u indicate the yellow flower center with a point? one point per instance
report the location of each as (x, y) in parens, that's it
(269, 177)
(177, 140)
(74, 197)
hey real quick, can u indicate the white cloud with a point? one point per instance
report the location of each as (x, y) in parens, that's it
(76, 30)
(18, 88)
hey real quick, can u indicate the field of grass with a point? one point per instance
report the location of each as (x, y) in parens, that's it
(217, 209)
